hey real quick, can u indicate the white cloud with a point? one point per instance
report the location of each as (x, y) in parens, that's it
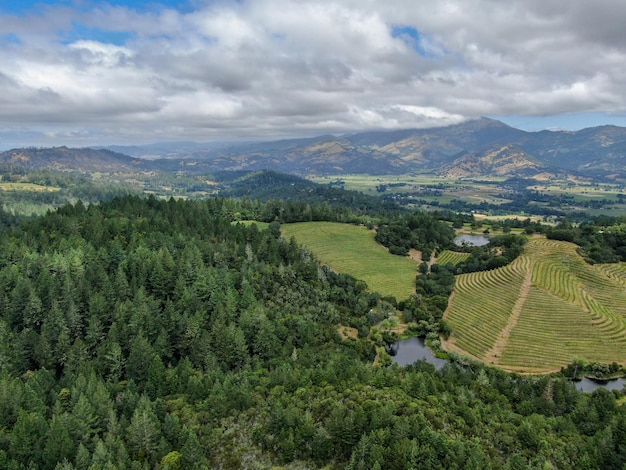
(268, 68)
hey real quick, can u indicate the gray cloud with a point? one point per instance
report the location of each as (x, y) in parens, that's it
(275, 68)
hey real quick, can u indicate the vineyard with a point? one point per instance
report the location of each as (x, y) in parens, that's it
(452, 257)
(541, 312)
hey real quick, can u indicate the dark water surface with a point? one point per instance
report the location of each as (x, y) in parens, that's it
(588, 385)
(411, 350)
(471, 240)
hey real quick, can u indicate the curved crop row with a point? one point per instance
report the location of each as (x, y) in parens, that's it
(452, 257)
(569, 310)
(615, 271)
(477, 324)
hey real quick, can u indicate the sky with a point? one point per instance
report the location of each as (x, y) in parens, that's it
(83, 72)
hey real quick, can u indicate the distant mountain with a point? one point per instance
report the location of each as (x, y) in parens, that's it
(505, 160)
(162, 150)
(83, 160)
(476, 148)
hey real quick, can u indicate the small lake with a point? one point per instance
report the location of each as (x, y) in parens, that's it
(411, 350)
(589, 385)
(471, 240)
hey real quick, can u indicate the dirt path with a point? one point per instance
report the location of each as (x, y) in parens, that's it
(415, 255)
(433, 259)
(493, 355)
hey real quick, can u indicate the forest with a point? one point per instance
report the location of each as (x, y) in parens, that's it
(145, 333)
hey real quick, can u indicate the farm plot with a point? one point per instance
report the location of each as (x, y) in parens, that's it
(453, 257)
(351, 249)
(565, 310)
(615, 271)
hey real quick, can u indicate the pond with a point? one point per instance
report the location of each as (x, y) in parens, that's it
(471, 240)
(589, 385)
(410, 350)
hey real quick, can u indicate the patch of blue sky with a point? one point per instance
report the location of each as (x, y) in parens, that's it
(569, 122)
(9, 39)
(279, 37)
(411, 37)
(21, 7)
(184, 6)
(78, 32)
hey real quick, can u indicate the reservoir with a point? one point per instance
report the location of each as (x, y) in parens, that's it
(411, 350)
(471, 240)
(589, 385)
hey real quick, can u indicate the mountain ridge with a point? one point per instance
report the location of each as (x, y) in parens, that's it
(481, 147)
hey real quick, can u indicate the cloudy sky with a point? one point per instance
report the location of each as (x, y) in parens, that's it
(81, 72)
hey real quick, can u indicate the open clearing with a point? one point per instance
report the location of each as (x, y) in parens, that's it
(247, 223)
(351, 249)
(541, 312)
(8, 186)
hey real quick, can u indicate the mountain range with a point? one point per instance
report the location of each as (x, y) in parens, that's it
(483, 147)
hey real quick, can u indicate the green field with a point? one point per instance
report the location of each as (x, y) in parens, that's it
(10, 186)
(541, 312)
(260, 225)
(453, 257)
(434, 190)
(352, 250)
(486, 190)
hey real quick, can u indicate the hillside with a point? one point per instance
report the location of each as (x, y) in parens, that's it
(506, 160)
(83, 160)
(478, 148)
(598, 152)
(541, 312)
(351, 249)
(147, 333)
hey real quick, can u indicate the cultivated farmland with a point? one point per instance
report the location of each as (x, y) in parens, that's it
(541, 312)
(351, 249)
(452, 257)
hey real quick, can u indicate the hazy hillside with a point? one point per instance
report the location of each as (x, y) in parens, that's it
(506, 160)
(85, 160)
(593, 152)
(476, 148)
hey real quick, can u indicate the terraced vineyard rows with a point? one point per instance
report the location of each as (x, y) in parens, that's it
(615, 271)
(453, 257)
(565, 310)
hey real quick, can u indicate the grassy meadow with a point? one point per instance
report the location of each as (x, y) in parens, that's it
(352, 250)
(543, 311)
(260, 225)
(12, 186)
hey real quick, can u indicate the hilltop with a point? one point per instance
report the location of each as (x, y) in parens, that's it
(479, 148)
(483, 147)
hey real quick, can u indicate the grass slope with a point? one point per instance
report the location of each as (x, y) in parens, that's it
(26, 187)
(453, 257)
(541, 312)
(352, 250)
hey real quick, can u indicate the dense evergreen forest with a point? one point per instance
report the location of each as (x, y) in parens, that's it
(143, 333)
